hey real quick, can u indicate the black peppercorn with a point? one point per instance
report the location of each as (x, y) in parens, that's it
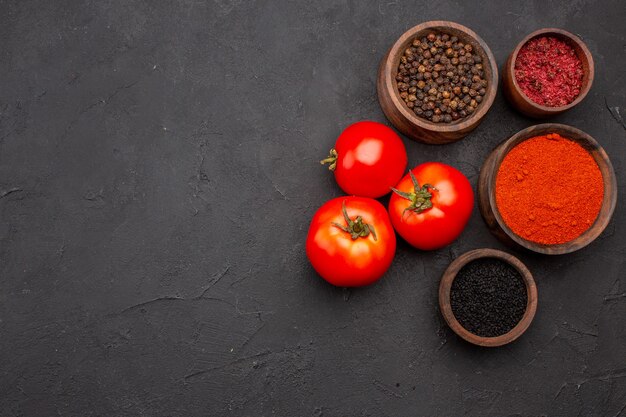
(441, 78)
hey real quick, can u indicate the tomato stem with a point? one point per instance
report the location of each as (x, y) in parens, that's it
(331, 159)
(420, 198)
(356, 227)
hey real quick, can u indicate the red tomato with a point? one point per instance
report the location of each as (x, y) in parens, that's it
(368, 159)
(431, 205)
(351, 242)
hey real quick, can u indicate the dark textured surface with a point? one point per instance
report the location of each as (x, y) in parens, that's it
(158, 169)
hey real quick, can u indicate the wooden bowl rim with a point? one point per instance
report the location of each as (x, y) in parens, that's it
(446, 309)
(395, 50)
(588, 74)
(609, 200)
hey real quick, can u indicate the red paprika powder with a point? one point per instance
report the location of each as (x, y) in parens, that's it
(549, 189)
(549, 72)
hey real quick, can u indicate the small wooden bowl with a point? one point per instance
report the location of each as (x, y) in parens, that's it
(402, 117)
(525, 105)
(487, 187)
(446, 308)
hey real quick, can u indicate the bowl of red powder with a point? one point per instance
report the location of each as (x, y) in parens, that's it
(549, 72)
(549, 188)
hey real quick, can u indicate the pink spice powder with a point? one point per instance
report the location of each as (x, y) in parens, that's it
(549, 72)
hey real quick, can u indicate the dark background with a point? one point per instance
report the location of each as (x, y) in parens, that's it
(158, 170)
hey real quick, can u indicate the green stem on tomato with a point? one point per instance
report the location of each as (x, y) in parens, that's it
(356, 227)
(420, 198)
(331, 159)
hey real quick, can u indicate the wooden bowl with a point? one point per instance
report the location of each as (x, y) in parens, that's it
(446, 308)
(525, 105)
(487, 186)
(402, 117)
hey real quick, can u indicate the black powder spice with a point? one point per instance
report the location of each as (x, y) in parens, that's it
(488, 297)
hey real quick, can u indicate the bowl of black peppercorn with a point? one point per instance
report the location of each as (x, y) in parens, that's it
(488, 297)
(437, 82)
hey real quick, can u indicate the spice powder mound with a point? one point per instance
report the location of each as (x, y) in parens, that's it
(549, 189)
(549, 72)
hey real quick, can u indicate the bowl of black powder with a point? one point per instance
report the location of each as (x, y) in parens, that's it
(488, 297)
